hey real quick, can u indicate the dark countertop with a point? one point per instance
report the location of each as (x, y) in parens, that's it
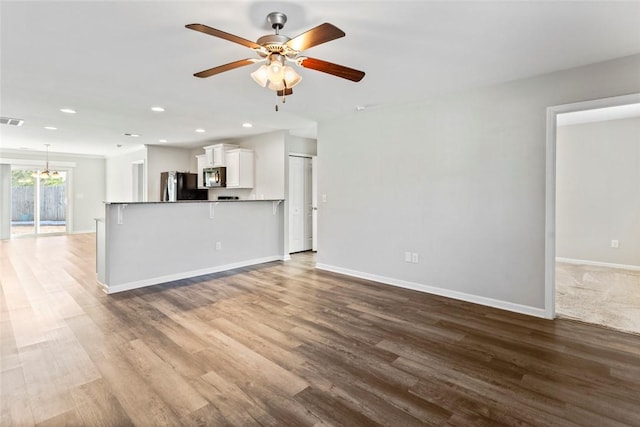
(194, 201)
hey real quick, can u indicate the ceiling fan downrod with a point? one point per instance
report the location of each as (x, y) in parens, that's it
(277, 21)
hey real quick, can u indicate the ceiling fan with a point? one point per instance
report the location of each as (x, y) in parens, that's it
(277, 50)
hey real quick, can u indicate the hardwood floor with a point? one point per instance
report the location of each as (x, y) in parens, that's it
(284, 344)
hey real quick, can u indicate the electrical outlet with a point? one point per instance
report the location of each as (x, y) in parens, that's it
(414, 258)
(324, 198)
(218, 246)
(407, 257)
(615, 244)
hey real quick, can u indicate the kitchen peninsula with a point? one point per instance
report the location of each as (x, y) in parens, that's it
(146, 243)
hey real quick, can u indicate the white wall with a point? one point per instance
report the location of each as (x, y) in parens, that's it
(164, 159)
(300, 145)
(459, 180)
(268, 151)
(5, 201)
(119, 175)
(87, 185)
(598, 191)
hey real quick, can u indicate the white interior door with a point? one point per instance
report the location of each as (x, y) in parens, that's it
(314, 203)
(300, 204)
(308, 205)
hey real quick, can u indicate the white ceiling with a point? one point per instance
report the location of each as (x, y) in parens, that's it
(112, 61)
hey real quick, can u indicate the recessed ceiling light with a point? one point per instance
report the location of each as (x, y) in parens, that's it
(157, 109)
(50, 128)
(133, 135)
(68, 110)
(162, 140)
(200, 130)
(247, 125)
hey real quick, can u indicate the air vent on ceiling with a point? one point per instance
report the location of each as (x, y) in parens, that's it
(10, 121)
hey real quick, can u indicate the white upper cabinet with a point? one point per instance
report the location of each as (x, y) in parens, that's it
(216, 154)
(239, 162)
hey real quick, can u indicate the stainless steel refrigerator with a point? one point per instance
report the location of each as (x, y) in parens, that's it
(176, 186)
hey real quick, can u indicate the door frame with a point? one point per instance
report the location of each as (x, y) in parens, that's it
(137, 183)
(37, 165)
(550, 185)
(37, 202)
(314, 197)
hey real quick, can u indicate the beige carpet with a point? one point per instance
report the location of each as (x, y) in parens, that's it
(600, 295)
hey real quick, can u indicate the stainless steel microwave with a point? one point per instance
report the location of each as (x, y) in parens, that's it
(214, 177)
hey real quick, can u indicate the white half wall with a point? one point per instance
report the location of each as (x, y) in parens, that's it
(458, 180)
(142, 244)
(598, 191)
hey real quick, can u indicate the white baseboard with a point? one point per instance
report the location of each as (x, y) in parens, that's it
(598, 263)
(186, 274)
(82, 232)
(503, 305)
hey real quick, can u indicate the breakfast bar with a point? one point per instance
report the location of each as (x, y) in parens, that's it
(146, 243)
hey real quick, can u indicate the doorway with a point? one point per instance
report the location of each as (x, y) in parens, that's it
(301, 205)
(137, 181)
(38, 202)
(589, 277)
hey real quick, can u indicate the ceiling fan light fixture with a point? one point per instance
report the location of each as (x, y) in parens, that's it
(291, 78)
(276, 49)
(260, 76)
(275, 71)
(276, 85)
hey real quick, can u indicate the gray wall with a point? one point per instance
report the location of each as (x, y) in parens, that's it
(119, 175)
(269, 173)
(598, 191)
(164, 159)
(459, 180)
(300, 145)
(87, 186)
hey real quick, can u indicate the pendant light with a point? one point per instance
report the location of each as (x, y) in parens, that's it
(46, 173)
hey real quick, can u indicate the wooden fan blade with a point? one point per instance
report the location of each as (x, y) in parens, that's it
(321, 34)
(226, 67)
(331, 68)
(221, 34)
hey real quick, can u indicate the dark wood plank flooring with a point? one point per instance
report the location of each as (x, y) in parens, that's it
(285, 344)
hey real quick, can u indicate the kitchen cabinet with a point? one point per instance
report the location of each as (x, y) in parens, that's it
(239, 162)
(215, 154)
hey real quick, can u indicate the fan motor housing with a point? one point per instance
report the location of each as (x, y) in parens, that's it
(274, 43)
